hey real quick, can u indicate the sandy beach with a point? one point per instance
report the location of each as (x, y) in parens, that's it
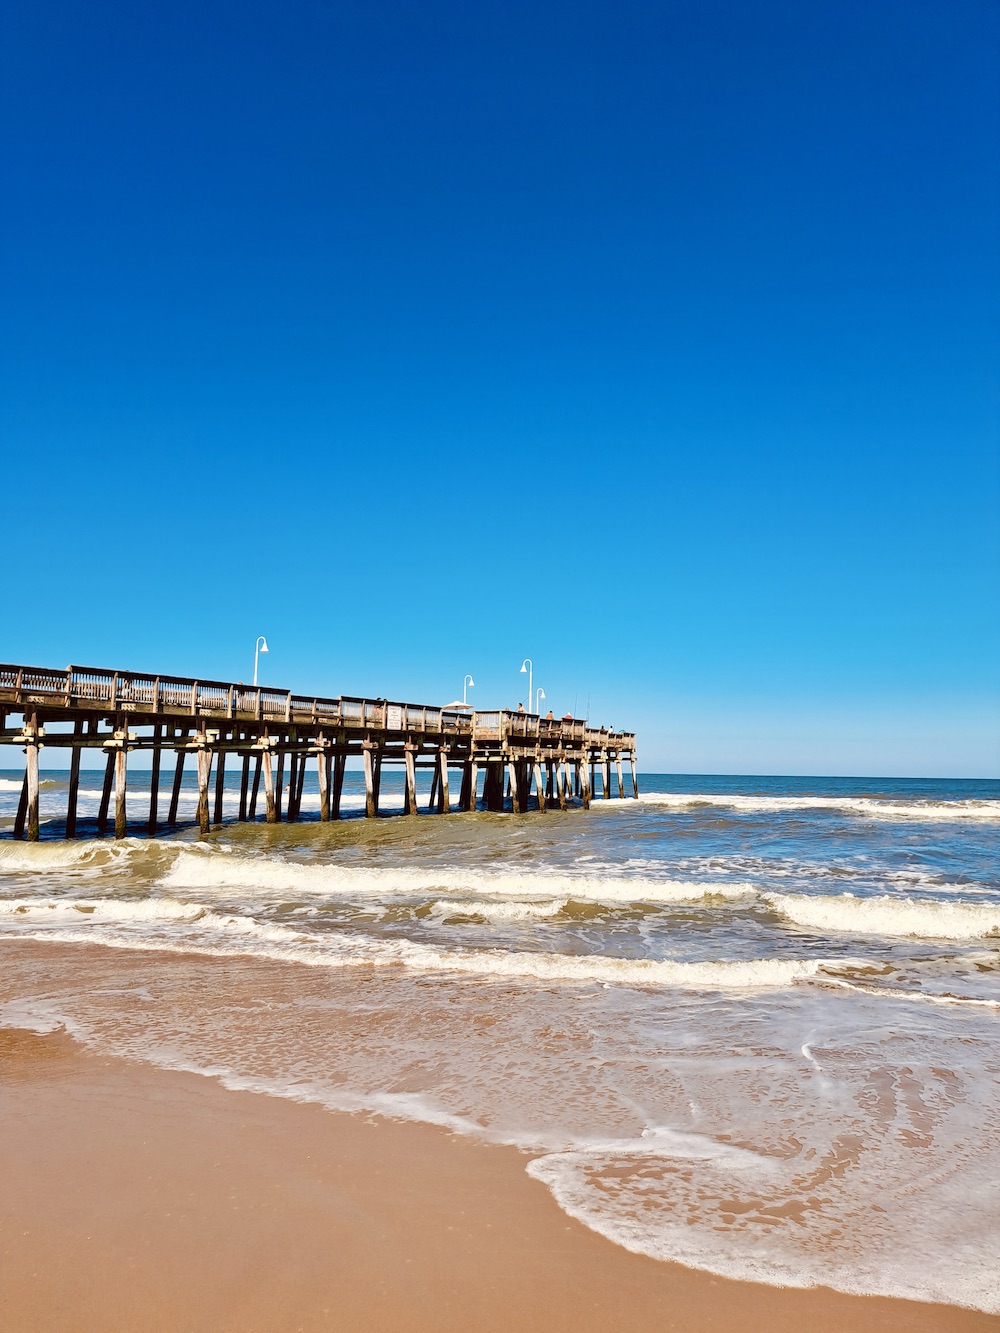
(136, 1198)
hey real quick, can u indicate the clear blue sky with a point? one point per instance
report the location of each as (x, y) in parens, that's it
(655, 341)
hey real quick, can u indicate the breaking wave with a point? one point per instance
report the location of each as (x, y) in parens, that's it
(870, 807)
(124, 924)
(884, 915)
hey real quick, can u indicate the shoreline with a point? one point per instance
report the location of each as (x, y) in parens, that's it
(141, 1198)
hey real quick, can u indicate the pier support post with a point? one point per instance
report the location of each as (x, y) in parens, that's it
(154, 780)
(102, 813)
(31, 779)
(293, 783)
(635, 780)
(299, 784)
(562, 778)
(175, 791)
(339, 768)
(74, 784)
(254, 790)
(121, 780)
(621, 782)
(444, 797)
(323, 778)
(515, 791)
(585, 784)
(493, 793)
(271, 813)
(220, 785)
(473, 780)
(539, 787)
(606, 763)
(432, 799)
(204, 773)
(410, 796)
(244, 786)
(22, 807)
(371, 797)
(279, 786)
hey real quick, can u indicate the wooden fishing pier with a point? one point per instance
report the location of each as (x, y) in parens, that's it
(522, 757)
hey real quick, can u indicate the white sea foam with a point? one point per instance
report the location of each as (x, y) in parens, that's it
(672, 1201)
(884, 915)
(497, 911)
(158, 924)
(195, 870)
(870, 807)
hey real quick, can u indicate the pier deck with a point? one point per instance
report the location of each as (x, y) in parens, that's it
(121, 712)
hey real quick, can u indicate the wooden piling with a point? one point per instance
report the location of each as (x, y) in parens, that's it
(515, 789)
(22, 807)
(293, 783)
(621, 782)
(371, 801)
(323, 778)
(175, 791)
(585, 784)
(121, 778)
(444, 798)
(74, 784)
(271, 812)
(434, 791)
(256, 787)
(635, 780)
(154, 780)
(102, 813)
(299, 784)
(204, 774)
(220, 786)
(339, 769)
(606, 763)
(279, 786)
(31, 774)
(561, 782)
(244, 787)
(539, 786)
(473, 786)
(410, 797)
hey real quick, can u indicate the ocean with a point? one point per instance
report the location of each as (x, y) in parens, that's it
(751, 1025)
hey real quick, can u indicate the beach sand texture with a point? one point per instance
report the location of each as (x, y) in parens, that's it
(143, 1199)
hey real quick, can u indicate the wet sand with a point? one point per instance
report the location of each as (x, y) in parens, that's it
(134, 1198)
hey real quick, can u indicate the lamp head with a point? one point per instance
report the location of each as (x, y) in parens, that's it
(470, 681)
(524, 665)
(263, 644)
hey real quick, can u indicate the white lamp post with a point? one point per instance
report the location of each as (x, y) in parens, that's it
(528, 665)
(539, 695)
(259, 647)
(465, 688)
